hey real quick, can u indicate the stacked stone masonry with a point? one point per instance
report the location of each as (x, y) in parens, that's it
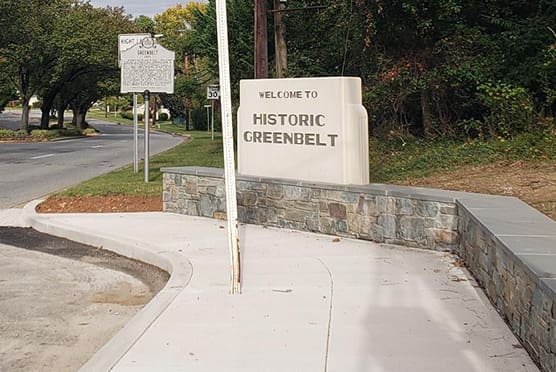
(431, 219)
(319, 208)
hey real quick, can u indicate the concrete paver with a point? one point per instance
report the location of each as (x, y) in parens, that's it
(308, 302)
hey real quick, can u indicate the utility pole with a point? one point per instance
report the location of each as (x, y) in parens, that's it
(261, 40)
(280, 39)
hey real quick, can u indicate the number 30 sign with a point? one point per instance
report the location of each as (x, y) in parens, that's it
(213, 92)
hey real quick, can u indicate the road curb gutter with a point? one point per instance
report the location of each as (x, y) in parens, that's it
(178, 266)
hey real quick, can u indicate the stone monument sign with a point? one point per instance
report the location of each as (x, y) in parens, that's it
(311, 129)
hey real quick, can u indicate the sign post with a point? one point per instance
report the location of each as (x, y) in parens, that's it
(125, 42)
(135, 136)
(212, 119)
(229, 162)
(146, 67)
(146, 97)
(208, 117)
(213, 94)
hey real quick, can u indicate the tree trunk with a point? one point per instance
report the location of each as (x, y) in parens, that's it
(26, 95)
(60, 115)
(261, 39)
(79, 118)
(426, 113)
(187, 116)
(25, 113)
(280, 40)
(45, 115)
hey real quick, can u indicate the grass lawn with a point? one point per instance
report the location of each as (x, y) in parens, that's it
(391, 161)
(200, 151)
(403, 159)
(163, 126)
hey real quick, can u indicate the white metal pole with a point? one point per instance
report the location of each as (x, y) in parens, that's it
(229, 162)
(146, 162)
(208, 117)
(135, 136)
(212, 118)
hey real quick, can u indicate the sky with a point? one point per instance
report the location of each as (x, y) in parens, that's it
(140, 7)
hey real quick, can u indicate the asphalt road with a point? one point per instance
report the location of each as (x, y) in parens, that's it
(31, 170)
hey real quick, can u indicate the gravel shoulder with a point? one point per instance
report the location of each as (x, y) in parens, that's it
(61, 301)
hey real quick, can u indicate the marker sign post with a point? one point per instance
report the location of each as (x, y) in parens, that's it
(146, 67)
(213, 94)
(125, 42)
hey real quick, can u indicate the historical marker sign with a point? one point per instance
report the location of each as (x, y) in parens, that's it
(147, 66)
(128, 41)
(312, 129)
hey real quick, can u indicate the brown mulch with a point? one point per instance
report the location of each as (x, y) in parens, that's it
(101, 204)
(26, 139)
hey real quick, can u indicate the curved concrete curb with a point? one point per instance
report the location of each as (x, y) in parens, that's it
(178, 266)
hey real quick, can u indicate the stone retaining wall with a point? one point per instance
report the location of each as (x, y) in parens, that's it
(516, 267)
(363, 212)
(508, 246)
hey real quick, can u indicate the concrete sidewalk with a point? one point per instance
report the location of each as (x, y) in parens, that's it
(309, 302)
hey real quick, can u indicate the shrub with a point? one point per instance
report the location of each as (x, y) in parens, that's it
(45, 133)
(8, 133)
(89, 131)
(510, 109)
(70, 132)
(126, 115)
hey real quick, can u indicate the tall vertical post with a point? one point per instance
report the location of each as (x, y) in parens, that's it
(135, 135)
(280, 39)
(212, 118)
(147, 95)
(228, 139)
(208, 117)
(261, 40)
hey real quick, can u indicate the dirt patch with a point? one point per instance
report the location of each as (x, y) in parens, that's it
(101, 204)
(534, 183)
(60, 301)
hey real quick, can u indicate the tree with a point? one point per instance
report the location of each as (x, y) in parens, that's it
(176, 26)
(203, 40)
(7, 92)
(90, 51)
(26, 49)
(98, 74)
(145, 24)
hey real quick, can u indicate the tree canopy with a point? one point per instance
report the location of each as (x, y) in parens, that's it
(59, 49)
(428, 68)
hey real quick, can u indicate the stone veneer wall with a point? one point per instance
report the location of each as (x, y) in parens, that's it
(516, 269)
(508, 246)
(362, 212)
